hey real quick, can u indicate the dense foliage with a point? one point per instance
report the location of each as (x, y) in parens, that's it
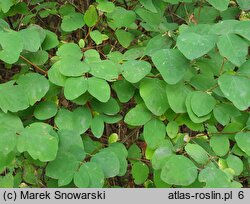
(129, 93)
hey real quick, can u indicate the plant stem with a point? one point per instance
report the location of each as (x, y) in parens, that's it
(35, 66)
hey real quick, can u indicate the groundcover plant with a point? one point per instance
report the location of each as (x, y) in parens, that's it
(124, 93)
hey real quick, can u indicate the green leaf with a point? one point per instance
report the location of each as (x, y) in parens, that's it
(121, 17)
(50, 40)
(235, 163)
(72, 67)
(6, 160)
(110, 108)
(81, 178)
(40, 141)
(124, 37)
(148, 4)
(121, 152)
(111, 119)
(40, 30)
(197, 153)
(220, 144)
(172, 129)
(234, 48)
(38, 58)
(70, 50)
(244, 4)
(115, 56)
(79, 120)
(134, 53)
(214, 178)
(82, 100)
(31, 39)
(90, 175)
(7, 139)
(96, 175)
(149, 153)
(63, 168)
(105, 69)
(151, 21)
(159, 42)
(154, 95)
(66, 9)
(138, 116)
(154, 133)
(30, 174)
(5, 6)
(208, 15)
(91, 16)
(12, 97)
(90, 145)
(92, 56)
(177, 95)
(194, 45)
(171, 64)
(12, 121)
(106, 6)
(230, 26)
(162, 154)
(236, 89)
(7, 181)
(140, 172)
(45, 110)
(71, 142)
(55, 76)
(223, 113)
(97, 36)
(12, 45)
(35, 86)
(134, 152)
(159, 183)
(71, 153)
(221, 5)
(72, 22)
(4, 25)
(108, 162)
(191, 114)
(99, 89)
(97, 126)
(202, 103)
(141, 68)
(203, 82)
(179, 170)
(243, 141)
(244, 69)
(124, 90)
(180, 140)
(75, 87)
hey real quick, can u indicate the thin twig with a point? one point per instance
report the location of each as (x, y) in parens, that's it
(35, 66)
(212, 88)
(199, 12)
(222, 66)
